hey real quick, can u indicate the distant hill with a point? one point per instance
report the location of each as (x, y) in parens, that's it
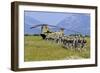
(79, 23)
(74, 23)
(29, 22)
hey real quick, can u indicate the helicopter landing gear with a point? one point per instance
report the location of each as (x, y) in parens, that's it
(43, 36)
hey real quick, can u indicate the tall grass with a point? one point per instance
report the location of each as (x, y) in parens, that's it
(37, 49)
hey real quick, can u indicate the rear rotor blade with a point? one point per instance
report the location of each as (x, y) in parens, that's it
(36, 26)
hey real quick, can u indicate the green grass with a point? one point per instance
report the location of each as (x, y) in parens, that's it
(37, 49)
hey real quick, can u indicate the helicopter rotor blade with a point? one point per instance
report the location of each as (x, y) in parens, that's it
(36, 26)
(72, 30)
(42, 25)
(68, 29)
(39, 25)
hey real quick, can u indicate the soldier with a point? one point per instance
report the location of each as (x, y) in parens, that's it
(83, 42)
(76, 42)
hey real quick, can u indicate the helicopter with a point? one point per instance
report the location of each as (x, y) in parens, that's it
(45, 30)
(59, 36)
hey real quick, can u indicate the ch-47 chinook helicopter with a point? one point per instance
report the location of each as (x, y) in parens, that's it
(59, 36)
(45, 30)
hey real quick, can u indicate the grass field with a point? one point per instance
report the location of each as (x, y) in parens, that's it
(37, 49)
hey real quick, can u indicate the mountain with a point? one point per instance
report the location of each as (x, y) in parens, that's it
(76, 23)
(29, 22)
(73, 23)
